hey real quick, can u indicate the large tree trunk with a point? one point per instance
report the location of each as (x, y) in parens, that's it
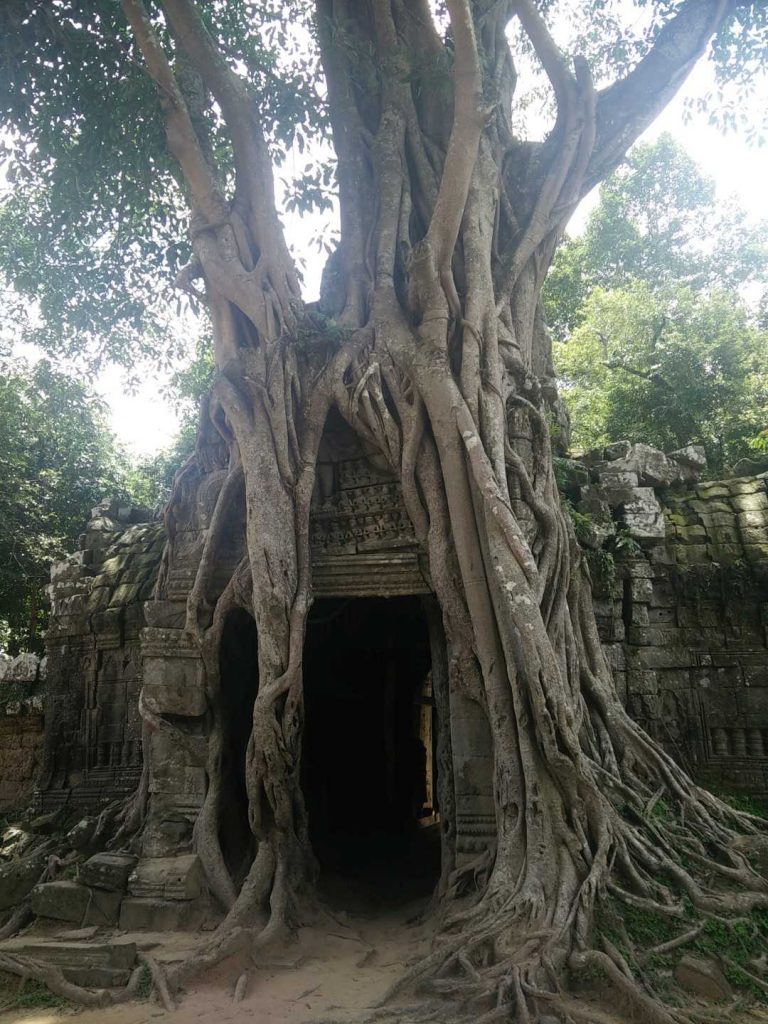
(429, 342)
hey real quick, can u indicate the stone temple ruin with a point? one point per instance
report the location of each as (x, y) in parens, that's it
(680, 577)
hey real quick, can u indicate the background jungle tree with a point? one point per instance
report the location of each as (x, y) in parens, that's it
(57, 460)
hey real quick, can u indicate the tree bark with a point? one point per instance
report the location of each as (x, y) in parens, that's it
(432, 346)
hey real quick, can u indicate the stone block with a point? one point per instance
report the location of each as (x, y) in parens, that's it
(174, 686)
(692, 455)
(755, 520)
(473, 775)
(617, 450)
(757, 502)
(650, 465)
(750, 485)
(612, 478)
(644, 707)
(703, 978)
(692, 554)
(18, 877)
(715, 489)
(643, 515)
(166, 614)
(755, 553)
(674, 679)
(641, 681)
(23, 669)
(152, 915)
(170, 878)
(691, 534)
(108, 871)
(641, 590)
(69, 901)
(119, 955)
(96, 977)
(89, 964)
(124, 593)
(656, 657)
(657, 616)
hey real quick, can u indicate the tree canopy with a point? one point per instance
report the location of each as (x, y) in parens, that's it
(94, 226)
(658, 222)
(656, 312)
(57, 460)
(668, 367)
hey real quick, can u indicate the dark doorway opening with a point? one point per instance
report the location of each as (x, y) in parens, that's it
(368, 750)
(239, 682)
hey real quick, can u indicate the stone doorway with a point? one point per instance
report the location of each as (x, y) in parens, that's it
(239, 683)
(368, 764)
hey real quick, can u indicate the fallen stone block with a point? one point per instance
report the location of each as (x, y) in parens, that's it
(18, 877)
(69, 901)
(112, 955)
(703, 978)
(169, 878)
(108, 871)
(138, 914)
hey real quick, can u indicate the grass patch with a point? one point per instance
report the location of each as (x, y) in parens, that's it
(33, 995)
(745, 802)
(733, 944)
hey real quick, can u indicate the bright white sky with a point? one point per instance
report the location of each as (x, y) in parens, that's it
(144, 422)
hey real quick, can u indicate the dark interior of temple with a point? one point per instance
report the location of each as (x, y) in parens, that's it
(368, 756)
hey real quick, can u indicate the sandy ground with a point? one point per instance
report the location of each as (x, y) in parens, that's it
(331, 974)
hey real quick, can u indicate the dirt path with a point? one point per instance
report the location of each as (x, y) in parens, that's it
(331, 974)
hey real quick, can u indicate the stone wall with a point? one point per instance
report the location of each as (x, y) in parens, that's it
(680, 574)
(92, 749)
(680, 581)
(22, 680)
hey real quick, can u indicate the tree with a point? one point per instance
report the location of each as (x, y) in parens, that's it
(57, 460)
(429, 340)
(657, 222)
(669, 367)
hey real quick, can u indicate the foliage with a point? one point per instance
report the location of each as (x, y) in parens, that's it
(94, 226)
(668, 367)
(57, 460)
(730, 942)
(658, 222)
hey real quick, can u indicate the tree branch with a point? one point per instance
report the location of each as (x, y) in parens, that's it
(552, 59)
(183, 142)
(626, 108)
(468, 121)
(253, 167)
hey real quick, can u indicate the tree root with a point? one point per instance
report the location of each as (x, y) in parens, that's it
(159, 980)
(54, 980)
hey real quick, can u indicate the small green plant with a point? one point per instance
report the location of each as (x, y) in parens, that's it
(602, 569)
(624, 543)
(32, 995)
(144, 989)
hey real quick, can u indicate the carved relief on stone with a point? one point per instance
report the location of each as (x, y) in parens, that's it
(357, 504)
